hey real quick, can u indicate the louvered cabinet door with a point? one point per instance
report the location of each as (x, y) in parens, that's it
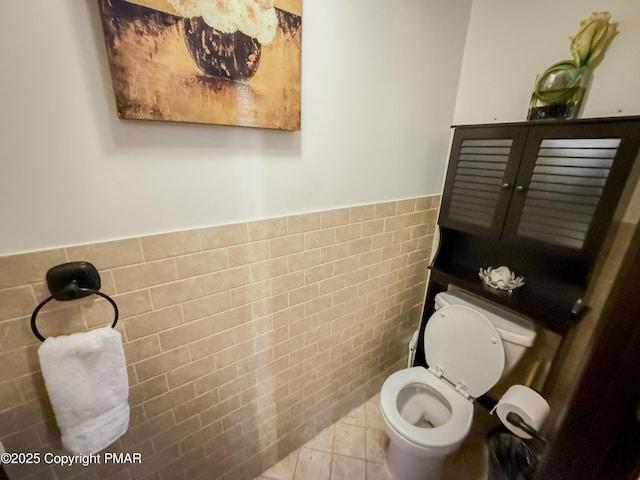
(482, 168)
(569, 184)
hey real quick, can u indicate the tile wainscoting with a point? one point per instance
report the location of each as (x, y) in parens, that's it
(571, 357)
(242, 341)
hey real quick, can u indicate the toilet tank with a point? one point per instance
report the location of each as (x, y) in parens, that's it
(517, 332)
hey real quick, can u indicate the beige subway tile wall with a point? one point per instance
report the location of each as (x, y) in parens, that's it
(571, 357)
(242, 341)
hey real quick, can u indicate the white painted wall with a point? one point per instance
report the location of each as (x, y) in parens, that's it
(379, 85)
(510, 42)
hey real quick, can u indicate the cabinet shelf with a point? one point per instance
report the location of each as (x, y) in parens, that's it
(554, 284)
(547, 301)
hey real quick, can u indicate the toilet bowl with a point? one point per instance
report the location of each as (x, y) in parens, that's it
(429, 421)
(428, 412)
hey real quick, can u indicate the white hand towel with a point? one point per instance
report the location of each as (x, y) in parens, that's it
(86, 379)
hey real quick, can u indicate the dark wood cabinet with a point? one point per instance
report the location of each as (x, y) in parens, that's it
(537, 197)
(552, 187)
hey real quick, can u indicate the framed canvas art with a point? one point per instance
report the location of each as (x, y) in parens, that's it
(230, 62)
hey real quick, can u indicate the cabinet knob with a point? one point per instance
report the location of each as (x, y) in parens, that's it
(506, 186)
(520, 188)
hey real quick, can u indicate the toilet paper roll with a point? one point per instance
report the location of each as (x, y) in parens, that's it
(527, 403)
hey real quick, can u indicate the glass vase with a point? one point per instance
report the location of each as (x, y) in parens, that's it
(558, 94)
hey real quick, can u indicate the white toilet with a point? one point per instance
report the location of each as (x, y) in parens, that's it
(469, 345)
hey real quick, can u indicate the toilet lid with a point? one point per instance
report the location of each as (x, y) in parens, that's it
(466, 345)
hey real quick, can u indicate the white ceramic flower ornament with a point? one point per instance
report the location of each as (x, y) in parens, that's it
(500, 278)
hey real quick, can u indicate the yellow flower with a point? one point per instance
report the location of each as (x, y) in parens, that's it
(590, 42)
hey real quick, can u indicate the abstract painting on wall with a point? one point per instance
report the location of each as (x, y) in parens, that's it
(230, 62)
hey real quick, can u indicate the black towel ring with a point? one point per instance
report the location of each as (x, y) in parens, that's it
(69, 275)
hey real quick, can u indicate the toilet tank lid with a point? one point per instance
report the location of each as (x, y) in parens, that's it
(512, 327)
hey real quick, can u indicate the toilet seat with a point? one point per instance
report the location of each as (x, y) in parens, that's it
(454, 430)
(463, 346)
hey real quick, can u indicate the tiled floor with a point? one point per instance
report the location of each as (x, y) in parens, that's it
(353, 449)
